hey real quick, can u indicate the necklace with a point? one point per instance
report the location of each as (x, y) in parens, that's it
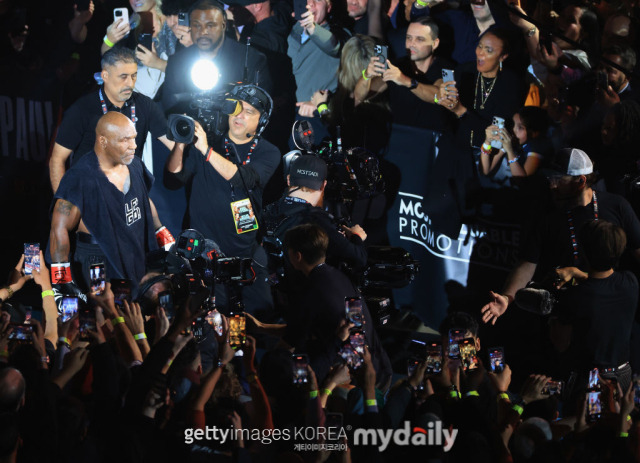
(248, 160)
(572, 228)
(484, 94)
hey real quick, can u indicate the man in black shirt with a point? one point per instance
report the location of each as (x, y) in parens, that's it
(410, 84)
(208, 24)
(225, 184)
(601, 308)
(551, 240)
(76, 133)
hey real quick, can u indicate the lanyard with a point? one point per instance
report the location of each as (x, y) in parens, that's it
(246, 161)
(134, 119)
(572, 228)
(293, 199)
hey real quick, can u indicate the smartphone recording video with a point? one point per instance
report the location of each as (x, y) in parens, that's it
(214, 318)
(237, 330)
(69, 307)
(552, 388)
(87, 322)
(594, 406)
(353, 308)
(434, 358)
(300, 372)
(412, 365)
(455, 336)
(496, 359)
(121, 291)
(96, 275)
(21, 333)
(352, 352)
(593, 380)
(31, 258)
(468, 354)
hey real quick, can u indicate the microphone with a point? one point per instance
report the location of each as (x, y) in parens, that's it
(249, 135)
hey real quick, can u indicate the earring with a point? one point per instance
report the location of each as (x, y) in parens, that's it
(501, 65)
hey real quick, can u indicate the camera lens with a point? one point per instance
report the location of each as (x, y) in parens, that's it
(183, 128)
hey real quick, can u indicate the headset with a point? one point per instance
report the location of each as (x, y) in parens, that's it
(256, 97)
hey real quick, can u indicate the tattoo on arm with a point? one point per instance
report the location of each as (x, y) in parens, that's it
(64, 207)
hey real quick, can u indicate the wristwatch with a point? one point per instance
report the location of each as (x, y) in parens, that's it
(414, 84)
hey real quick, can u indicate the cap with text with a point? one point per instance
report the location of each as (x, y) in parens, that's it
(308, 171)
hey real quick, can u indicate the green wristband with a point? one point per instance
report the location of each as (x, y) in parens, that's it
(108, 42)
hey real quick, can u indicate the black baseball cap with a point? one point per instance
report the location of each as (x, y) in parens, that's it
(308, 171)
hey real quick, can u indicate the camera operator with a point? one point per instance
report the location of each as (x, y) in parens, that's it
(302, 203)
(208, 24)
(225, 184)
(76, 134)
(551, 241)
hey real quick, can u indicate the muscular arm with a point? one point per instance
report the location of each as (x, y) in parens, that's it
(154, 213)
(59, 156)
(66, 218)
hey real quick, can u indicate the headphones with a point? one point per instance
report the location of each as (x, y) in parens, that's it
(257, 98)
(144, 302)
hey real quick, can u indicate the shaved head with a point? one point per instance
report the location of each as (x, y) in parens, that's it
(115, 138)
(12, 388)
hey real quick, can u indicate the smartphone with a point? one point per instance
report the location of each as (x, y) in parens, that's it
(21, 333)
(300, 373)
(593, 380)
(121, 291)
(183, 19)
(594, 406)
(31, 258)
(552, 388)
(468, 354)
(602, 80)
(165, 300)
(546, 41)
(96, 275)
(352, 351)
(27, 315)
(434, 358)
(382, 52)
(87, 322)
(353, 308)
(455, 336)
(636, 395)
(498, 122)
(69, 307)
(448, 75)
(121, 13)
(237, 330)
(146, 41)
(496, 359)
(198, 328)
(299, 8)
(412, 364)
(214, 318)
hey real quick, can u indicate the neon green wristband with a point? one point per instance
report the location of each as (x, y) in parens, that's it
(48, 292)
(364, 74)
(623, 434)
(140, 336)
(371, 403)
(313, 394)
(472, 394)
(108, 42)
(454, 394)
(435, 99)
(327, 392)
(503, 395)
(518, 409)
(322, 107)
(117, 321)
(422, 3)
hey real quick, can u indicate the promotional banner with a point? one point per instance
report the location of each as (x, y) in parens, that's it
(451, 267)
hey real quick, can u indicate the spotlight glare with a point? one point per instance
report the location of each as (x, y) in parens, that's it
(205, 74)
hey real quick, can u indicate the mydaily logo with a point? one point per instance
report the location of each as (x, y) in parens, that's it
(433, 435)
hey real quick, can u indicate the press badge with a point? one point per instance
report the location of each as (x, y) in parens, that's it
(243, 216)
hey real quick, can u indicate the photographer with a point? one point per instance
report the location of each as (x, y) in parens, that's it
(225, 184)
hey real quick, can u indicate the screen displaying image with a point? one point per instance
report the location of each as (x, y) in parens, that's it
(300, 373)
(69, 307)
(98, 283)
(353, 308)
(468, 354)
(237, 330)
(434, 359)
(496, 359)
(31, 257)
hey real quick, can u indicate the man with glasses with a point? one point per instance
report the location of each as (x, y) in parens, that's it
(551, 243)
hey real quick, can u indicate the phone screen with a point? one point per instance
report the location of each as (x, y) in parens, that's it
(353, 307)
(594, 406)
(552, 388)
(300, 373)
(98, 283)
(593, 379)
(636, 396)
(214, 318)
(87, 322)
(468, 354)
(496, 359)
(31, 257)
(69, 307)
(353, 350)
(121, 291)
(237, 330)
(455, 336)
(412, 365)
(183, 19)
(434, 358)
(21, 333)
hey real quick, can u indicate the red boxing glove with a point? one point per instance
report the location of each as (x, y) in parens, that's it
(164, 238)
(61, 273)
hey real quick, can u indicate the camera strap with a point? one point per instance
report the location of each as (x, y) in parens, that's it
(251, 149)
(572, 228)
(134, 119)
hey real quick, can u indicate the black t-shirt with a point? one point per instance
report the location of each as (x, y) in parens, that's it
(408, 109)
(210, 195)
(548, 239)
(77, 131)
(122, 224)
(602, 312)
(230, 63)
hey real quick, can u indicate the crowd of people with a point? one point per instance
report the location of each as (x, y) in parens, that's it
(249, 337)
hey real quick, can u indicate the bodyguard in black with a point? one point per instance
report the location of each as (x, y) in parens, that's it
(225, 184)
(208, 24)
(76, 134)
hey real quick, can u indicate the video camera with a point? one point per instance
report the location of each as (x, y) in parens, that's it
(208, 109)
